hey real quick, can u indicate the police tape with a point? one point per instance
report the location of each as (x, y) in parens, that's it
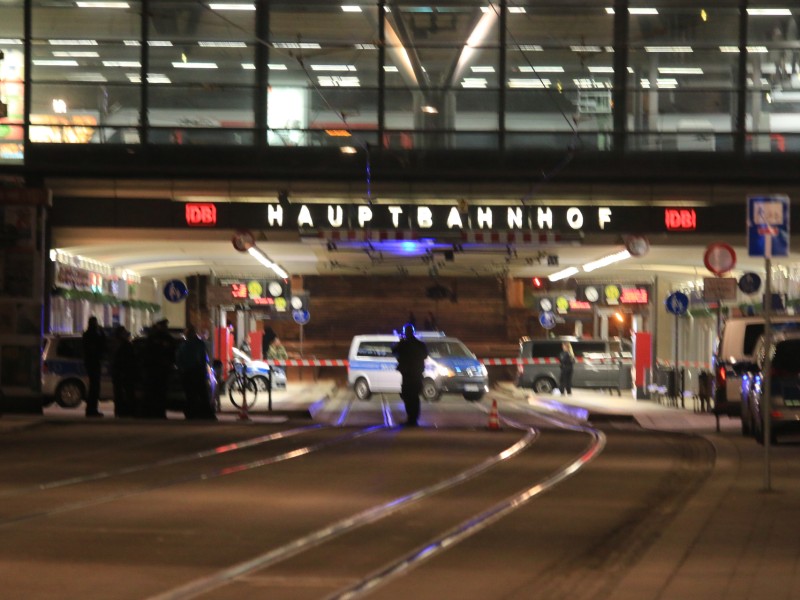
(492, 362)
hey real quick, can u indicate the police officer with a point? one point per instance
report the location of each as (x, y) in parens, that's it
(411, 354)
(94, 349)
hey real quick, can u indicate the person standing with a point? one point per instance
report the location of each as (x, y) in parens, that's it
(94, 349)
(411, 354)
(566, 359)
(276, 350)
(123, 374)
(159, 364)
(192, 362)
(266, 340)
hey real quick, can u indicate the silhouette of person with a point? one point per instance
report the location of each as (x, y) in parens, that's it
(159, 364)
(266, 341)
(94, 349)
(411, 354)
(123, 374)
(192, 362)
(566, 359)
(430, 322)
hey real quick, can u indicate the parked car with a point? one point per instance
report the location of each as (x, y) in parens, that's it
(64, 377)
(735, 344)
(260, 372)
(450, 367)
(602, 364)
(784, 387)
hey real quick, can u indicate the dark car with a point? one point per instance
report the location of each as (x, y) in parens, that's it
(784, 395)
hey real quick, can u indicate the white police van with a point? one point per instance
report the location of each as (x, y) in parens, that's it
(449, 368)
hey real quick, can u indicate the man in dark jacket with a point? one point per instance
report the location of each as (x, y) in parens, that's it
(123, 374)
(94, 349)
(192, 364)
(159, 365)
(411, 354)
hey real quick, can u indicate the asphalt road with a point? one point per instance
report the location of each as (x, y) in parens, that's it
(302, 509)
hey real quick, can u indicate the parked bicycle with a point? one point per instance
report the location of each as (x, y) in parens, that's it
(241, 388)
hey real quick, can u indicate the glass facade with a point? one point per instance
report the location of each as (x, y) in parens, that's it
(666, 75)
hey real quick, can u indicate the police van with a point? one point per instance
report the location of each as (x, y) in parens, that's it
(449, 368)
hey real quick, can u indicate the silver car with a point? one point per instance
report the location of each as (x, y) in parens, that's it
(64, 378)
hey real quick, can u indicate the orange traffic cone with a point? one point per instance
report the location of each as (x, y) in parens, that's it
(494, 419)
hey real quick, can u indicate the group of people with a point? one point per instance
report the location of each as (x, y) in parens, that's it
(152, 373)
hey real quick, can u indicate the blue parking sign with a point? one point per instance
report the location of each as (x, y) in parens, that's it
(768, 226)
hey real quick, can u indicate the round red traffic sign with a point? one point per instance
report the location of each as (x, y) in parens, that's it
(719, 258)
(243, 240)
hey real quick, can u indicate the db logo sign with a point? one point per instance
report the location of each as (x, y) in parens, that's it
(201, 214)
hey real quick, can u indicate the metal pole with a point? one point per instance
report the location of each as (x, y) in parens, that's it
(766, 410)
(675, 368)
(269, 388)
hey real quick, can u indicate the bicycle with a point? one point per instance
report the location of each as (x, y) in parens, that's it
(241, 388)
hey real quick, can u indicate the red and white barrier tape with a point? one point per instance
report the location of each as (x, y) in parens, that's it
(297, 362)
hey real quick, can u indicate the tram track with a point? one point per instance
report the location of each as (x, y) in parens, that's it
(469, 526)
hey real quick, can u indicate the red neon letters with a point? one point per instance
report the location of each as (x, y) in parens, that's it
(680, 219)
(201, 214)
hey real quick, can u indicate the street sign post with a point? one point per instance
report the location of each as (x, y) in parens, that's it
(677, 303)
(768, 236)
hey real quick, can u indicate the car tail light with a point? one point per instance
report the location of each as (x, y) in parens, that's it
(721, 377)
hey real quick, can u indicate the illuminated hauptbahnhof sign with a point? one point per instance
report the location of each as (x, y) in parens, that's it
(538, 217)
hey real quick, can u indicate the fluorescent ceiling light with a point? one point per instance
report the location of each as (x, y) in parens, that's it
(635, 11)
(365, 46)
(348, 150)
(338, 81)
(601, 69)
(606, 260)
(753, 49)
(277, 67)
(223, 6)
(102, 5)
(350, 68)
(72, 42)
(586, 48)
(297, 45)
(668, 49)
(194, 65)
(516, 10)
(349, 8)
(10, 42)
(87, 77)
(769, 12)
(55, 63)
(530, 48)
(587, 83)
(222, 44)
(474, 82)
(563, 274)
(75, 54)
(680, 70)
(151, 78)
(479, 69)
(264, 260)
(391, 69)
(526, 69)
(528, 83)
(127, 64)
(431, 110)
(155, 43)
(248, 66)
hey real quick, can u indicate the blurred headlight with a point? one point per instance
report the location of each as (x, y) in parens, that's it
(443, 371)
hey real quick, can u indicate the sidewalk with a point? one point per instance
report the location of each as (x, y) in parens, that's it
(734, 539)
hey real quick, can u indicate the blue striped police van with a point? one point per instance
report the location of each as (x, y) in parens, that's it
(449, 368)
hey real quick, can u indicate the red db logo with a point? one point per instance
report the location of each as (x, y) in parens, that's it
(680, 219)
(201, 215)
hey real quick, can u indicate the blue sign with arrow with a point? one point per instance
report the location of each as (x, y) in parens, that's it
(175, 290)
(547, 319)
(677, 303)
